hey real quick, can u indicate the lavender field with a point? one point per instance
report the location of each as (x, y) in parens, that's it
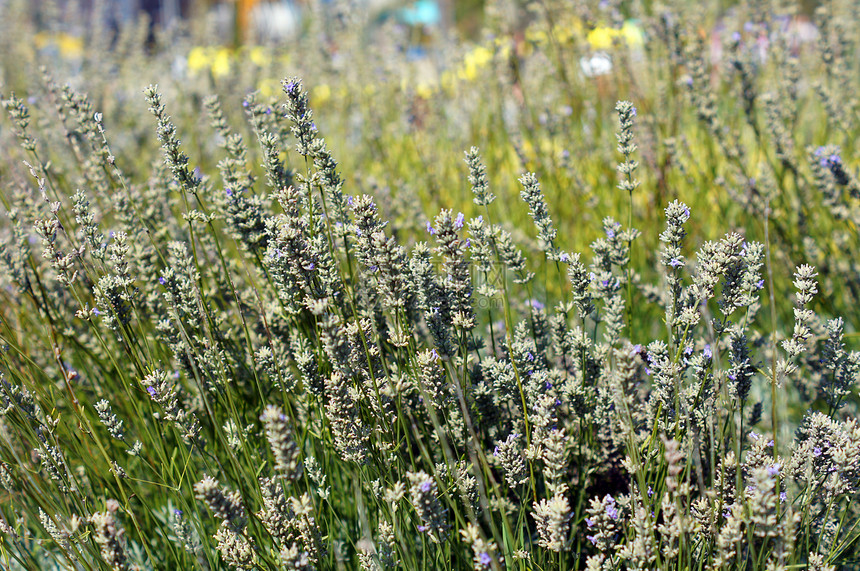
(549, 286)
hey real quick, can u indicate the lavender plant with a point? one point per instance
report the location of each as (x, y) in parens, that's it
(249, 346)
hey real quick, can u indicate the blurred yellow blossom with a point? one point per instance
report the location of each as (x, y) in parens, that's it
(221, 62)
(475, 60)
(198, 58)
(269, 87)
(259, 56)
(602, 38)
(66, 44)
(320, 94)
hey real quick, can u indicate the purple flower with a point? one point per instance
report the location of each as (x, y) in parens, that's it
(708, 353)
(529, 356)
(770, 443)
(349, 200)
(458, 222)
(610, 508)
(422, 528)
(537, 304)
(467, 243)
(736, 37)
(245, 104)
(152, 392)
(430, 229)
(425, 486)
(564, 258)
(816, 451)
(485, 559)
(268, 110)
(675, 262)
(783, 496)
(177, 513)
(688, 350)
(754, 435)
(650, 491)
(610, 233)
(759, 284)
(833, 161)
(162, 281)
(636, 349)
(589, 522)
(773, 470)
(96, 312)
(592, 539)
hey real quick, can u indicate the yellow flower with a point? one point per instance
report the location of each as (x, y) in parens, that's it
(568, 29)
(603, 38)
(70, 46)
(320, 95)
(538, 36)
(475, 60)
(198, 58)
(633, 33)
(221, 62)
(425, 90)
(269, 87)
(259, 56)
